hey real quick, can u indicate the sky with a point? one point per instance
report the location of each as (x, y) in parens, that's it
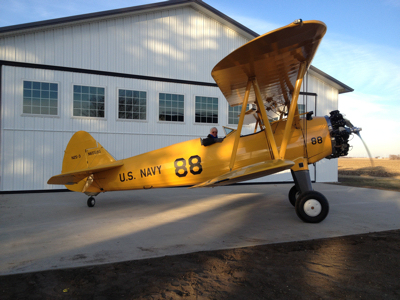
(360, 49)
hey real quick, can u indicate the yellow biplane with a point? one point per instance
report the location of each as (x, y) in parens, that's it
(263, 75)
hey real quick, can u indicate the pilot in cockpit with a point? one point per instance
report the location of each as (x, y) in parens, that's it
(213, 133)
(211, 138)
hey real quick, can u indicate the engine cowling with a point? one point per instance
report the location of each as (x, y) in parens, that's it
(339, 134)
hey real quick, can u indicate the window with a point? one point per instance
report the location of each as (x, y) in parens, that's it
(206, 110)
(131, 105)
(234, 113)
(88, 101)
(302, 109)
(171, 107)
(40, 98)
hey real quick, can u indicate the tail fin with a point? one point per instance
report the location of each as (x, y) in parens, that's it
(83, 157)
(83, 152)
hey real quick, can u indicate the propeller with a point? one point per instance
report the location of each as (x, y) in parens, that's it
(356, 130)
(340, 130)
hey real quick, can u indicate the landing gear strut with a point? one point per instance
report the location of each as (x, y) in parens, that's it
(91, 202)
(310, 206)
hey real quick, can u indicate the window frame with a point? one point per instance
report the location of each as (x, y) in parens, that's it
(159, 110)
(26, 114)
(195, 111)
(303, 106)
(238, 113)
(117, 105)
(73, 100)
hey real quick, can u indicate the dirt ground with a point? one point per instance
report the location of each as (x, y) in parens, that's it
(353, 267)
(362, 167)
(384, 174)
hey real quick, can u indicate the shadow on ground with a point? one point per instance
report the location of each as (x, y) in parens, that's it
(359, 266)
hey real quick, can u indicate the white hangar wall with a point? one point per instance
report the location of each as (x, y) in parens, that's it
(327, 100)
(33, 146)
(177, 43)
(173, 43)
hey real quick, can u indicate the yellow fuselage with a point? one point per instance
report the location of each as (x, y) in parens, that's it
(189, 163)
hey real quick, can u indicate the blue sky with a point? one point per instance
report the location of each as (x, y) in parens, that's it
(361, 49)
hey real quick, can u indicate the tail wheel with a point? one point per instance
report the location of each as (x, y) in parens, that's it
(293, 195)
(91, 202)
(312, 207)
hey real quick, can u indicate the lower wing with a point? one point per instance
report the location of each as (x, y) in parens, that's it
(249, 172)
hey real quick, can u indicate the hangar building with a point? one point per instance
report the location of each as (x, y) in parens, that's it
(136, 78)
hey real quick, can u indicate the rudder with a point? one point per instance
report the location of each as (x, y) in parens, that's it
(83, 152)
(84, 157)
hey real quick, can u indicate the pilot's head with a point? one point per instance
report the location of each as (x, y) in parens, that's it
(214, 132)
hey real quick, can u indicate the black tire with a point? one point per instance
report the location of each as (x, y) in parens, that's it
(91, 202)
(312, 207)
(293, 195)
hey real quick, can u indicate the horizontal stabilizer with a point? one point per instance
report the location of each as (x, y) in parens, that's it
(249, 172)
(74, 177)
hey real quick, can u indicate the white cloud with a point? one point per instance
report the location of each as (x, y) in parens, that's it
(379, 121)
(373, 71)
(366, 67)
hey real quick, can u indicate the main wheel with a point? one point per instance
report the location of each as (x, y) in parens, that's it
(91, 202)
(312, 207)
(293, 195)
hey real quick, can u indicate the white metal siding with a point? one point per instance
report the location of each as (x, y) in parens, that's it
(326, 170)
(176, 43)
(32, 146)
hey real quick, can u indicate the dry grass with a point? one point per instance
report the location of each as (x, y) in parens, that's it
(358, 172)
(362, 167)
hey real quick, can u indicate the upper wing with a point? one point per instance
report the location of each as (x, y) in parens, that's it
(249, 172)
(273, 58)
(73, 177)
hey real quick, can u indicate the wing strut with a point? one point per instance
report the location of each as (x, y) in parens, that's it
(292, 110)
(240, 125)
(268, 131)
